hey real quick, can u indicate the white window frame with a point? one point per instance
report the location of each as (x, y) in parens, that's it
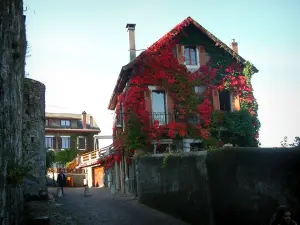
(193, 68)
(64, 124)
(49, 136)
(62, 138)
(155, 88)
(84, 143)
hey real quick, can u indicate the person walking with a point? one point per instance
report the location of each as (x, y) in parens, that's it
(61, 181)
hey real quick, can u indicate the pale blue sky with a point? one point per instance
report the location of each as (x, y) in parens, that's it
(78, 48)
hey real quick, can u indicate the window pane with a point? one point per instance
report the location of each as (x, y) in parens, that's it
(67, 123)
(65, 142)
(158, 106)
(48, 142)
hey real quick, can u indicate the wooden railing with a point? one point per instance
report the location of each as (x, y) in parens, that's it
(94, 155)
(65, 170)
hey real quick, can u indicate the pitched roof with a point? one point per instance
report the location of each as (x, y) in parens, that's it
(75, 117)
(159, 43)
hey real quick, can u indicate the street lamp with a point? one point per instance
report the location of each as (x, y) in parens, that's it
(119, 129)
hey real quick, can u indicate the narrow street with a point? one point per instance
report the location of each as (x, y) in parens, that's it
(105, 209)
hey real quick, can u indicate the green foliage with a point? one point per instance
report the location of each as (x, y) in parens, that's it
(65, 156)
(165, 160)
(295, 144)
(135, 138)
(234, 127)
(50, 158)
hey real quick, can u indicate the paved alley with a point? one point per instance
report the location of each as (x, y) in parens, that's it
(102, 208)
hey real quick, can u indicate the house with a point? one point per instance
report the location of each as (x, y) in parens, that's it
(188, 91)
(70, 131)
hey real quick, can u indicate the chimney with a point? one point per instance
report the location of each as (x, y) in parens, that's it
(234, 46)
(131, 29)
(83, 118)
(91, 122)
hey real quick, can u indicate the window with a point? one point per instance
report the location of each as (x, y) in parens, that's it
(159, 107)
(47, 122)
(65, 142)
(81, 143)
(65, 123)
(190, 54)
(200, 89)
(225, 100)
(49, 142)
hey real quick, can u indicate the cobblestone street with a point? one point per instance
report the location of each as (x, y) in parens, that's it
(105, 209)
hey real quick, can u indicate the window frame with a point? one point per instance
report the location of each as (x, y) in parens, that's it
(47, 138)
(165, 105)
(62, 142)
(63, 123)
(188, 60)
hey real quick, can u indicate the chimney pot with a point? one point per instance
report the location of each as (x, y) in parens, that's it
(131, 31)
(83, 118)
(234, 46)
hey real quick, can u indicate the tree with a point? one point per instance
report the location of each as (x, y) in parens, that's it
(65, 156)
(285, 143)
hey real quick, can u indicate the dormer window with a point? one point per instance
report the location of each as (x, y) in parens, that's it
(190, 53)
(65, 123)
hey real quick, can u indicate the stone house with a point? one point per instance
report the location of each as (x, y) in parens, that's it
(70, 131)
(188, 91)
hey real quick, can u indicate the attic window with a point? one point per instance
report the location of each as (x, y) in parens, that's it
(190, 54)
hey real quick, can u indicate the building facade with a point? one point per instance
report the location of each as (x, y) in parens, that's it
(187, 91)
(70, 131)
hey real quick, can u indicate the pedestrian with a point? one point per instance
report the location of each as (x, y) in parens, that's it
(283, 216)
(61, 180)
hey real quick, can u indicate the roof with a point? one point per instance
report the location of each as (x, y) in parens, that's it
(125, 70)
(72, 116)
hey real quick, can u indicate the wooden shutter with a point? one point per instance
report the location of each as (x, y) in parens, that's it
(148, 103)
(170, 107)
(202, 55)
(236, 102)
(215, 97)
(59, 140)
(180, 53)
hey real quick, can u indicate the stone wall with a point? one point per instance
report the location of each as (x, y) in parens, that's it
(34, 137)
(12, 72)
(230, 186)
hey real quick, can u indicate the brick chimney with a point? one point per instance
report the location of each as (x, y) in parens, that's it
(83, 118)
(131, 30)
(234, 46)
(91, 122)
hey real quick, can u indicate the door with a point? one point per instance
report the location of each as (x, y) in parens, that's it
(98, 177)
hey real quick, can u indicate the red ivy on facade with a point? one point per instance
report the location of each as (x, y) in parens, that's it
(158, 67)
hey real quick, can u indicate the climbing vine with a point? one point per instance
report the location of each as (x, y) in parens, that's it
(159, 67)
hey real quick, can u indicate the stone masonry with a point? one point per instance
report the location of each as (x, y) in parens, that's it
(34, 137)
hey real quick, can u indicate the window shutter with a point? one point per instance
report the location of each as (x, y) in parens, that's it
(170, 107)
(202, 55)
(59, 140)
(148, 103)
(215, 97)
(236, 102)
(180, 53)
(53, 142)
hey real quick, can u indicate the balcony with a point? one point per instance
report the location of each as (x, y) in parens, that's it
(93, 158)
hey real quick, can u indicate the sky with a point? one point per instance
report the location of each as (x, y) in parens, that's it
(77, 49)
